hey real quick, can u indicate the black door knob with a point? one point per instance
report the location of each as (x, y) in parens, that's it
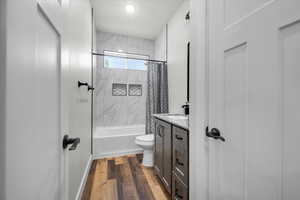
(70, 141)
(215, 134)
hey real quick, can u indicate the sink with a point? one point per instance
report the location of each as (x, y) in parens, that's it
(175, 119)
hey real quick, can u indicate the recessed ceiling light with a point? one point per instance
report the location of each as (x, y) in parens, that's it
(130, 8)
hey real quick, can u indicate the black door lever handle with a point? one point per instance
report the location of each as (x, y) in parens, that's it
(67, 141)
(214, 133)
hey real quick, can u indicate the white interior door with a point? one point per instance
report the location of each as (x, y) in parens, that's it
(254, 48)
(49, 173)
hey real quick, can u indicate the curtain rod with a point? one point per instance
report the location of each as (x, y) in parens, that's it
(149, 60)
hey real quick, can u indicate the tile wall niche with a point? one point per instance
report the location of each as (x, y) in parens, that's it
(126, 110)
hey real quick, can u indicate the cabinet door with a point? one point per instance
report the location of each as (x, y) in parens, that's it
(167, 155)
(158, 150)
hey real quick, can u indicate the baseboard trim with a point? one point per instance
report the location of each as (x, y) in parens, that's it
(116, 154)
(84, 178)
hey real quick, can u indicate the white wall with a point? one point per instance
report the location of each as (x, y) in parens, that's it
(2, 96)
(80, 45)
(161, 45)
(199, 104)
(94, 75)
(178, 37)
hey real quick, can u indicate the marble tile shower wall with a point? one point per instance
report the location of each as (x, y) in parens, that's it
(120, 110)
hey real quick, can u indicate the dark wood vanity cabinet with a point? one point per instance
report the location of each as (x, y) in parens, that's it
(163, 153)
(180, 190)
(181, 154)
(158, 150)
(171, 158)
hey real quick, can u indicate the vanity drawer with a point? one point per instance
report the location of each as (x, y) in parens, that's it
(179, 190)
(180, 154)
(180, 137)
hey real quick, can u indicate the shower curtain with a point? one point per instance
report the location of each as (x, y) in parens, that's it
(157, 93)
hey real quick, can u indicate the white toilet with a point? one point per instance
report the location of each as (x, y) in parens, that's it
(146, 142)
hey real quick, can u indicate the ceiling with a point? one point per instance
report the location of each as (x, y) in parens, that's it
(147, 21)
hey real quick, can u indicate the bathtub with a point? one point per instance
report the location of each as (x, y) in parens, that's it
(116, 141)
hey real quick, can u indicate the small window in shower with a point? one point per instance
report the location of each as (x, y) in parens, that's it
(135, 90)
(119, 89)
(117, 60)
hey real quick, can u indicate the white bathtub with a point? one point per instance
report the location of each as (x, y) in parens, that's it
(116, 141)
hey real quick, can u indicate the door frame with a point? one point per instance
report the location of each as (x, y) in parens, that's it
(199, 101)
(53, 13)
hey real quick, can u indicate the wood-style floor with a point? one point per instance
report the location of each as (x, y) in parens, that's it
(123, 178)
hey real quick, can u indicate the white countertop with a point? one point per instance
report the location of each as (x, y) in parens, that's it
(179, 120)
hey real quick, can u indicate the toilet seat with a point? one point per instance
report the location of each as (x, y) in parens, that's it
(146, 138)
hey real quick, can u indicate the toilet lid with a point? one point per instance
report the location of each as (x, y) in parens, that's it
(146, 138)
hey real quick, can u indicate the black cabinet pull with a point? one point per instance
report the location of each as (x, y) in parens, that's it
(179, 163)
(178, 138)
(214, 133)
(159, 129)
(159, 134)
(178, 195)
(67, 141)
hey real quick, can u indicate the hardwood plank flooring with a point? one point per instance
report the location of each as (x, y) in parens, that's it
(123, 178)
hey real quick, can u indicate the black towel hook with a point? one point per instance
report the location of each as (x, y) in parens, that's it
(82, 84)
(91, 88)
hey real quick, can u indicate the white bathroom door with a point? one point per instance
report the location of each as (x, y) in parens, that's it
(49, 175)
(254, 95)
